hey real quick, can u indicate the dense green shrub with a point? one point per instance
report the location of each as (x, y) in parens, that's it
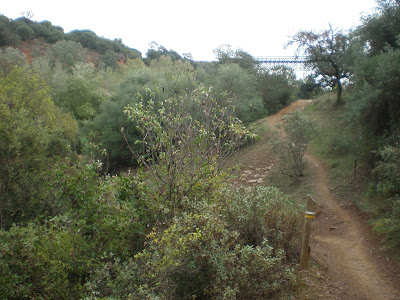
(90, 223)
(158, 52)
(375, 100)
(6, 34)
(89, 39)
(175, 77)
(49, 32)
(41, 261)
(67, 53)
(79, 99)
(292, 142)
(110, 59)
(242, 246)
(105, 129)
(113, 213)
(384, 195)
(31, 128)
(185, 143)
(381, 29)
(276, 88)
(309, 89)
(11, 58)
(241, 87)
(25, 32)
(263, 214)
(198, 256)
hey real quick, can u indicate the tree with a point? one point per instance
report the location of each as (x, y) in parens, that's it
(326, 53)
(276, 87)
(156, 51)
(32, 132)
(226, 55)
(110, 59)
(81, 97)
(241, 87)
(67, 53)
(309, 89)
(11, 58)
(382, 29)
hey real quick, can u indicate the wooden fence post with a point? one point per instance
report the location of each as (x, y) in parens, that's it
(305, 247)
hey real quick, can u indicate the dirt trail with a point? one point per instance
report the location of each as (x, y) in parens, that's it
(341, 240)
(342, 246)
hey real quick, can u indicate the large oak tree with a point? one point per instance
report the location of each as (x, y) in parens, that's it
(326, 53)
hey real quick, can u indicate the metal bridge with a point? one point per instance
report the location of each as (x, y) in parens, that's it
(295, 62)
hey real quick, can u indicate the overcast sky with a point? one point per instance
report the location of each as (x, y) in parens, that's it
(258, 27)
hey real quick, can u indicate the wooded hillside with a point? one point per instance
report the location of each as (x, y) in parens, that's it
(113, 174)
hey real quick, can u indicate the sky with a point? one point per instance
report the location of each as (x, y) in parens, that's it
(258, 27)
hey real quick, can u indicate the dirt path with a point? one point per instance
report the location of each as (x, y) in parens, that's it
(343, 247)
(256, 160)
(341, 240)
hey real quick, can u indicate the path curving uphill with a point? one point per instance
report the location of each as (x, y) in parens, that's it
(341, 242)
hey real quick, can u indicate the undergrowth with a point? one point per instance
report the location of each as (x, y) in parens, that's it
(340, 146)
(363, 169)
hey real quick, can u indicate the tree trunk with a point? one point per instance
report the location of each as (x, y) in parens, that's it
(339, 92)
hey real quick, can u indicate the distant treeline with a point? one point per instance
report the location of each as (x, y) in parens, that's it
(13, 32)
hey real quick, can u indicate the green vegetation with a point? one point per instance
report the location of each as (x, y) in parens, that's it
(292, 142)
(112, 171)
(327, 54)
(112, 178)
(366, 125)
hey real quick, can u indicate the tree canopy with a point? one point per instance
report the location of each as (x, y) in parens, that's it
(326, 53)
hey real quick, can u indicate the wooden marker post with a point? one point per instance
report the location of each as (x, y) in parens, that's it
(305, 247)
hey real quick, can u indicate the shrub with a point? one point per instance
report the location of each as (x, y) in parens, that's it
(67, 53)
(185, 143)
(241, 87)
(25, 32)
(110, 59)
(31, 128)
(197, 256)
(276, 88)
(263, 214)
(92, 225)
(41, 261)
(384, 195)
(374, 102)
(11, 58)
(113, 213)
(292, 143)
(105, 129)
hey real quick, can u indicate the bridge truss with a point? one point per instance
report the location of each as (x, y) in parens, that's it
(297, 63)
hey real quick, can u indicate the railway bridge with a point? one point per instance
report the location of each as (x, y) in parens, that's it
(297, 63)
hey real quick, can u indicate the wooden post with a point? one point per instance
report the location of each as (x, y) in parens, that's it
(305, 247)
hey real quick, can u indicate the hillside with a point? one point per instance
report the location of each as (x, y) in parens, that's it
(24, 33)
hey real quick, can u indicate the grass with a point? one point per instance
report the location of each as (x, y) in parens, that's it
(338, 145)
